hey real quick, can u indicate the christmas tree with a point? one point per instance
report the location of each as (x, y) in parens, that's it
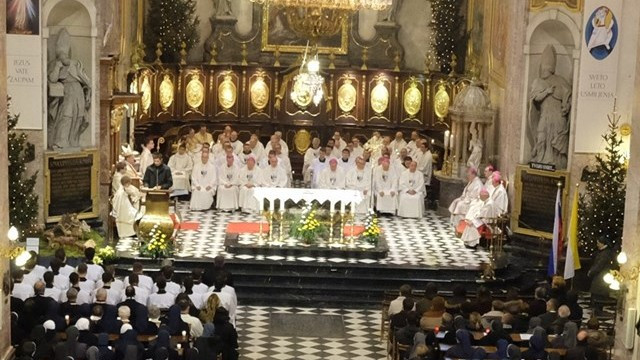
(601, 207)
(446, 32)
(23, 202)
(171, 22)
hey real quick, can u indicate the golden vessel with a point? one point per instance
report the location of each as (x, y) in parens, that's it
(156, 215)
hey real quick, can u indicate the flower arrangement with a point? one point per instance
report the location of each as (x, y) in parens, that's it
(371, 233)
(104, 255)
(158, 246)
(307, 227)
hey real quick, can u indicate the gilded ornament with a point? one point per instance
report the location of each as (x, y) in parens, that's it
(195, 92)
(412, 99)
(166, 92)
(441, 102)
(625, 129)
(118, 114)
(227, 93)
(145, 90)
(302, 141)
(380, 98)
(301, 95)
(259, 94)
(347, 96)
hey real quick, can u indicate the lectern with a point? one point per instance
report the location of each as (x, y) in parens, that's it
(156, 214)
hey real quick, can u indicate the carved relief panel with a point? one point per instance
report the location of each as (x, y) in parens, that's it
(379, 104)
(193, 96)
(223, 93)
(412, 92)
(259, 103)
(166, 90)
(349, 98)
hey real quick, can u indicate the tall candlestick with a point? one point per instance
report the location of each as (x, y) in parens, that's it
(446, 139)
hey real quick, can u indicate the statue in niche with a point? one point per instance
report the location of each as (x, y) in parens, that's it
(475, 146)
(390, 14)
(550, 105)
(223, 8)
(69, 97)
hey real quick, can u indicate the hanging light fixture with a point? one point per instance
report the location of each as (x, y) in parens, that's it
(308, 84)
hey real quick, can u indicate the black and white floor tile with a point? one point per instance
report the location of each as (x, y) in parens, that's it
(359, 340)
(428, 241)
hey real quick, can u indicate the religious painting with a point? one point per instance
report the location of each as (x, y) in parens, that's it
(23, 17)
(475, 27)
(499, 21)
(601, 33)
(276, 34)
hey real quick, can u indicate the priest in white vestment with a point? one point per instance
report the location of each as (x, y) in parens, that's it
(235, 143)
(424, 158)
(227, 199)
(338, 145)
(318, 165)
(414, 143)
(221, 159)
(218, 147)
(256, 148)
(120, 171)
(204, 180)
(385, 184)
(359, 178)
(374, 142)
(284, 162)
(130, 160)
(310, 155)
(460, 206)
(498, 194)
(249, 177)
(276, 138)
(488, 178)
(123, 210)
(274, 175)
(357, 149)
(475, 221)
(146, 158)
(398, 143)
(332, 177)
(346, 161)
(181, 166)
(245, 154)
(411, 192)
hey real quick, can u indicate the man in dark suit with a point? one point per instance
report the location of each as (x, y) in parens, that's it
(157, 175)
(538, 305)
(400, 319)
(109, 312)
(548, 318)
(602, 263)
(38, 307)
(139, 313)
(72, 309)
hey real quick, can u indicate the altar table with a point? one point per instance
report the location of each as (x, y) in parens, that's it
(344, 197)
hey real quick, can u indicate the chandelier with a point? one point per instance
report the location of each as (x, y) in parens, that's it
(308, 84)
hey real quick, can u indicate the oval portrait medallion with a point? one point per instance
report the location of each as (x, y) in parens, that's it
(145, 91)
(412, 100)
(301, 95)
(259, 94)
(195, 92)
(302, 140)
(347, 96)
(227, 93)
(380, 98)
(166, 92)
(441, 102)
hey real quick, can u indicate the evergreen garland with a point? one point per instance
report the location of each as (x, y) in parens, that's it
(23, 201)
(171, 22)
(601, 208)
(446, 32)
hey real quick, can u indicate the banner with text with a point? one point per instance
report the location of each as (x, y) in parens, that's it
(598, 72)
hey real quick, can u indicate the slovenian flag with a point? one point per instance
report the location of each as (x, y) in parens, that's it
(556, 244)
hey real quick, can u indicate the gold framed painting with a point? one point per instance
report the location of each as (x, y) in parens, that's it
(499, 22)
(475, 28)
(572, 5)
(276, 34)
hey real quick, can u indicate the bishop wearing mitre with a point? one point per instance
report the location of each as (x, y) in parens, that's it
(123, 209)
(460, 206)
(203, 136)
(203, 182)
(385, 185)
(227, 199)
(498, 194)
(359, 178)
(181, 166)
(249, 177)
(411, 192)
(274, 175)
(474, 223)
(332, 177)
(310, 155)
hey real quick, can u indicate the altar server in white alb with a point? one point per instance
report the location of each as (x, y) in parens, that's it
(332, 177)
(475, 221)
(235, 143)
(181, 166)
(204, 180)
(346, 161)
(414, 143)
(385, 184)
(411, 192)
(123, 210)
(273, 175)
(398, 143)
(424, 158)
(359, 178)
(227, 199)
(460, 206)
(310, 155)
(256, 148)
(498, 194)
(146, 158)
(357, 149)
(318, 165)
(249, 177)
(488, 178)
(284, 162)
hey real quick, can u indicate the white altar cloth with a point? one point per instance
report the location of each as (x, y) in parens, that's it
(344, 197)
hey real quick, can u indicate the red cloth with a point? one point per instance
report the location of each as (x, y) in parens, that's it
(247, 227)
(187, 225)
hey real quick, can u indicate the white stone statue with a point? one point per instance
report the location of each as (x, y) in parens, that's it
(475, 146)
(390, 14)
(550, 105)
(223, 8)
(69, 97)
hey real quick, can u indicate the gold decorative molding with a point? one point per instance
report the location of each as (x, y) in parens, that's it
(302, 141)
(166, 92)
(145, 91)
(194, 91)
(259, 93)
(380, 97)
(227, 93)
(118, 114)
(441, 101)
(572, 5)
(347, 96)
(412, 99)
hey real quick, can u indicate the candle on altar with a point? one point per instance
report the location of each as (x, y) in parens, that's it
(451, 142)
(446, 139)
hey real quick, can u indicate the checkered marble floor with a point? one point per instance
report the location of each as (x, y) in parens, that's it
(428, 241)
(361, 336)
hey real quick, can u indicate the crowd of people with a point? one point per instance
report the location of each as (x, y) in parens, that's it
(464, 327)
(86, 312)
(393, 175)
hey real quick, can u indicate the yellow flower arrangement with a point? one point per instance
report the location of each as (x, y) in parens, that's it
(159, 245)
(371, 233)
(308, 227)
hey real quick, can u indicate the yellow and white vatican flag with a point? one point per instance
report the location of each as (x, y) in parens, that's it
(572, 260)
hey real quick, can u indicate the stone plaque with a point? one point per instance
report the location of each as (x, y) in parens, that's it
(71, 185)
(536, 192)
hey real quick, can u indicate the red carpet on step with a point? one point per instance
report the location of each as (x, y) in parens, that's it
(254, 228)
(187, 225)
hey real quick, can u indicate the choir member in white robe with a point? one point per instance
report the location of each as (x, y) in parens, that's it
(310, 155)
(218, 148)
(398, 143)
(357, 149)
(488, 178)
(318, 165)
(414, 143)
(146, 158)
(235, 143)
(385, 185)
(221, 159)
(460, 206)
(359, 178)
(203, 136)
(338, 145)
(411, 192)
(227, 199)
(284, 162)
(246, 154)
(249, 177)
(476, 218)
(498, 194)
(123, 211)
(274, 175)
(332, 177)
(382, 150)
(374, 142)
(181, 166)
(346, 161)
(276, 138)
(424, 158)
(120, 171)
(204, 181)
(257, 148)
